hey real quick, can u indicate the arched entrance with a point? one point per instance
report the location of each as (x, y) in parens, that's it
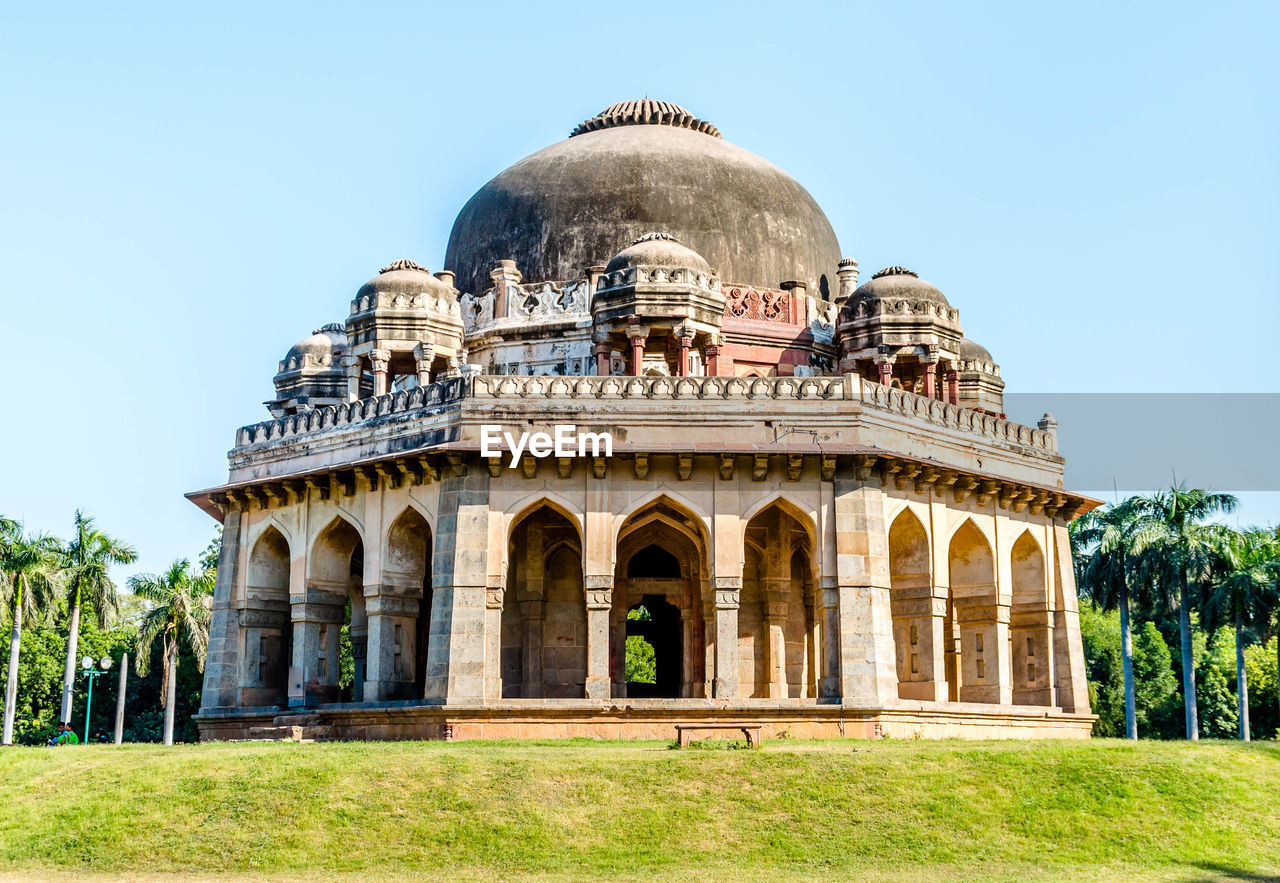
(1030, 628)
(976, 614)
(777, 617)
(654, 651)
(543, 650)
(268, 635)
(330, 627)
(660, 601)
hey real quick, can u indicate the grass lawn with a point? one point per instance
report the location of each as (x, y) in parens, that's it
(848, 809)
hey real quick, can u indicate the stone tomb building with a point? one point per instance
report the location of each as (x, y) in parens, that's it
(814, 516)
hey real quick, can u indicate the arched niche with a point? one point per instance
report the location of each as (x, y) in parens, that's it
(1030, 624)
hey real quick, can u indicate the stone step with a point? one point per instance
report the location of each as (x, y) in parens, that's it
(296, 720)
(306, 733)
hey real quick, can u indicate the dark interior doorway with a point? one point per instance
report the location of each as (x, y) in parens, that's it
(657, 623)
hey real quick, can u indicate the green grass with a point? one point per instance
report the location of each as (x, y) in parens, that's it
(578, 809)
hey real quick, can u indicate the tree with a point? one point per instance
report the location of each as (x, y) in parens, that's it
(86, 566)
(1103, 543)
(181, 608)
(1177, 553)
(28, 586)
(1249, 565)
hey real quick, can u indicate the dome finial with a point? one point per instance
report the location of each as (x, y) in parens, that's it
(895, 271)
(403, 264)
(655, 237)
(645, 112)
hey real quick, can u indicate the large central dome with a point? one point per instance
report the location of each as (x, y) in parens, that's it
(637, 167)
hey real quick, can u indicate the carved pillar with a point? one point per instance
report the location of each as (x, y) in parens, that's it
(423, 355)
(953, 386)
(728, 596)
(685, 342)
(930, 378)
(599, 593)
(884, 364)
(637, 334)
(712, 353)
(351, 365)
(602, 359)
(379, 359)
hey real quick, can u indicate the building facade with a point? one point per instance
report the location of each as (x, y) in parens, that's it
(780, 498)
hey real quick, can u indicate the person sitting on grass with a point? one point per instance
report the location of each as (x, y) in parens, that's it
(66, 736)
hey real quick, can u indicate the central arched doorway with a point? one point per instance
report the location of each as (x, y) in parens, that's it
(660, 601)
(654, 651)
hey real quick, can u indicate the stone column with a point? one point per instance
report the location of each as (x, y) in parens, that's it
(222, 660)
(602, 359)
(351, 365)
(868, 672)
(636, 335)
(317, 623)
(494, 597)
(1071, 688)
(930, 377)
(953, 386)
(460, 562)
(712, 353)
(379, 359)
(423, 355)
(599, 596)
(776, 586)
(728, 597)
(392, 643)
(829, 615)
(813, 644)
(884, 364)
(685, 342)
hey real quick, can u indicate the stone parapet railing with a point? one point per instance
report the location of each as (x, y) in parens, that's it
(879, 396)
(617, 387)
(496, 387)
(441, 392)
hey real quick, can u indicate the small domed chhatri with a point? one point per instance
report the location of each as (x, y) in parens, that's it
(799, 492)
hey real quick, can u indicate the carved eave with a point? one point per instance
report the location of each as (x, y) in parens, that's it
(891, 470)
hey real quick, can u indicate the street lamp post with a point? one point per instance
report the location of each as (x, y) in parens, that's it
(88, 670)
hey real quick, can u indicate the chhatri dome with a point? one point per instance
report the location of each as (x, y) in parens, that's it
(635, 167)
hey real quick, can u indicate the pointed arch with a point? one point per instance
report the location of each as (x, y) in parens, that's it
(331, 550)
(777, 608)
(527, 506)
(1030, 623)
(268, 575)
(975, 616)
(673, 500)
(918, 635)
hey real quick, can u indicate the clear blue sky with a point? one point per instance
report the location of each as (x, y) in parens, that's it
(186, 190)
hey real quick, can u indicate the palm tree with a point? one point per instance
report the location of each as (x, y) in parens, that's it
(28, 585)
(1178, 555)
(1249, 567)
(1104, 542)
(87, 563)
(182, 605)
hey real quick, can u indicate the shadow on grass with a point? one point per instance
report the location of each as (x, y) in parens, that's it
(1219, 871)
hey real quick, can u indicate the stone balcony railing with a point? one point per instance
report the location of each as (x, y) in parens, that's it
(523, 388)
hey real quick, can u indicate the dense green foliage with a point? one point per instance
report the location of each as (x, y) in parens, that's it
(109, 626)
(888, 809)
(1160, 561)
